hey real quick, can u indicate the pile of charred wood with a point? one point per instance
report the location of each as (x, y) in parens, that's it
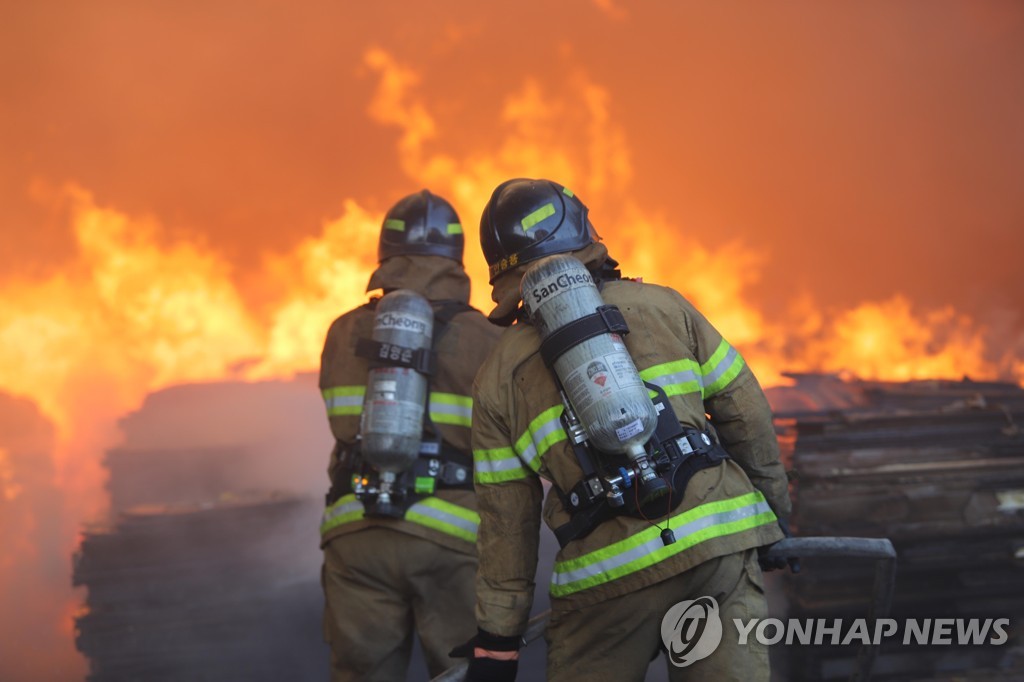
(209, 591)
(938, 468)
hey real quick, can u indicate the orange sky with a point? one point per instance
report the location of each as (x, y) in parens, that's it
(869, 149)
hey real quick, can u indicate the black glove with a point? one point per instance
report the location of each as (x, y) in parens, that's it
(775, 563)
(489, 669)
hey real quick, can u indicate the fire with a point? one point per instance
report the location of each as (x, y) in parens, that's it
(888, 340)
(321, 278)
(136, 311)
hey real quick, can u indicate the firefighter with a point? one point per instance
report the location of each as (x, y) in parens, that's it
(617, 573)
(404, 562)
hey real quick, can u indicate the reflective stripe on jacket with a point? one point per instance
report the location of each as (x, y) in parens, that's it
(445, 408)
(432, 512)
(645, 548)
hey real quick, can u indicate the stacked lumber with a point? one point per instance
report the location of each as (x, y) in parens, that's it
(938, 468)
(215, 591)
(208, 567)
(171, 475)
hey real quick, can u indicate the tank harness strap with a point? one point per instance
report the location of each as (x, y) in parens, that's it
(693, 451)
(380, 354)
(582, 523)
(438, 467)
(607, 318)
(443, 467)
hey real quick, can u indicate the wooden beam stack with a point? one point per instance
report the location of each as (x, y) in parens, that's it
(937, 467)
(216, 591)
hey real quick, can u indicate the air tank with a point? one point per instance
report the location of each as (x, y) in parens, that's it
(598, 375)
(391, 426)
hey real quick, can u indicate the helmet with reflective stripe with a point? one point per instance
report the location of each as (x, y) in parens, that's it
(526, 220)
(421, 224)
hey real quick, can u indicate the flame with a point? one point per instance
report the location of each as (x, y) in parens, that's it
(888, 340)
(136, 310)
(321, 278)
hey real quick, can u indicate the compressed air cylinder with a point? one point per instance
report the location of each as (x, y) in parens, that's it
(599, 377)
(392, 419)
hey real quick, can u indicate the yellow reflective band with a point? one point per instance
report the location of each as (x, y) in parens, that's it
(345, 510)
(344, 400)
(454, 228)
(451, 408)
(544, 431)
(716, 357)
(495, 477)
(567, 192)
(726, 378)
(678, 377)
(641, 550)
(540, 214)
(497, 465)
(394, 224)
(445, 517)
(720, 369)
(337, 391)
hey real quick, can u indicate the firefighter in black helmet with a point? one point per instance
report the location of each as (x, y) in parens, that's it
(526, 220)
(387, 577)
(617, 574)
(421, 224)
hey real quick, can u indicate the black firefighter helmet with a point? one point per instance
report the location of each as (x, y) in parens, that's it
(526, 220)
(421, 224)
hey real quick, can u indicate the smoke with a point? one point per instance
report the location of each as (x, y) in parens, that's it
(272, 436)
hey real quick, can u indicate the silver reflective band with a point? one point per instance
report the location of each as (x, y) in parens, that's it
(443, 517)
(724, 365)
(344, 401)
(493, 466)
(465, 413)
(342, 509)
(529, 453)
(665, 380)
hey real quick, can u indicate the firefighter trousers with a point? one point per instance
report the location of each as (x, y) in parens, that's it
(615, 640)
(383, 585)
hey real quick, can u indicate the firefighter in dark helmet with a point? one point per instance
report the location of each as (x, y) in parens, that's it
(652, 503)
(399, 531)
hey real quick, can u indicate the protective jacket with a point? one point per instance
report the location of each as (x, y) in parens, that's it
(449, 516)
(518, 440)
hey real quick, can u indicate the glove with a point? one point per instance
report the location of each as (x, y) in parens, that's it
(775, 563)
(484, 669)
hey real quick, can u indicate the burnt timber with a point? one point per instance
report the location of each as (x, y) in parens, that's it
(938, 468)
